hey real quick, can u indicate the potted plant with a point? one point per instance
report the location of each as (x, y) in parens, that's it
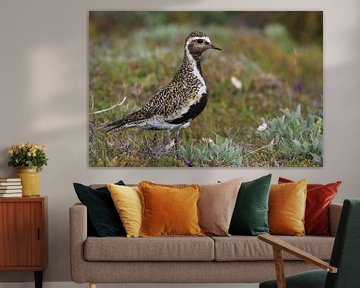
(30, 158)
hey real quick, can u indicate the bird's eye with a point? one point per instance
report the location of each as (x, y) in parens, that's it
(200, 41)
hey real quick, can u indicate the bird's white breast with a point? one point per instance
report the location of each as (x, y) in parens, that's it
(195, 71)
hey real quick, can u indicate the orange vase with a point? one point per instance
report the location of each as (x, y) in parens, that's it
(30, 181)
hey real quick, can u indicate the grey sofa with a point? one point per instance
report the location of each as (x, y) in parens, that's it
(234, 259)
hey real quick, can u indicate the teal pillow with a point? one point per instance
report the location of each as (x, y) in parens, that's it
(250, 216)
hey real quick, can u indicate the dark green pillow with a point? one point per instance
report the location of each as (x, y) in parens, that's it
(103, 218)
(250, 216)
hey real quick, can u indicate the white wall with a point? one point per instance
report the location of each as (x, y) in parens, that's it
(43, 90)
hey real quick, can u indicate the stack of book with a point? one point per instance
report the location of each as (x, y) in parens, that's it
(10, 187)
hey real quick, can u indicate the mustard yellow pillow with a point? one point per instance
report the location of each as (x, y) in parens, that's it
(287, 204)
(127, 201)
(169, 210)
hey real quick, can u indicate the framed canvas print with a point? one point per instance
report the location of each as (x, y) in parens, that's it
(205, 89)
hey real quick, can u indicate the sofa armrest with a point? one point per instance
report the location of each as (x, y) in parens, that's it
(334, 217)
(78, 235)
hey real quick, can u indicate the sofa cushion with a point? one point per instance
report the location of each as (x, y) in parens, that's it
(102, 216)
(244, 248)
(169, 210)
(287, 204)
(149, 249)
(250, 215)
(216, 205)
(127, 201)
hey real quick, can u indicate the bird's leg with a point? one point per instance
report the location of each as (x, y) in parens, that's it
(167, 137)
(177, 132)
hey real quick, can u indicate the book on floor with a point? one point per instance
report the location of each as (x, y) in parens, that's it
(9, 195)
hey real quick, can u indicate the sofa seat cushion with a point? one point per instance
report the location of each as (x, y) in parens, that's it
(244, 248)
(149, 249)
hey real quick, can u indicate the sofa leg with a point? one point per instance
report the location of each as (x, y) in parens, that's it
(92, 285)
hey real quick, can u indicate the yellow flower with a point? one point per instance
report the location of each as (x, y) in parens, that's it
(27, 152)
(41, 147)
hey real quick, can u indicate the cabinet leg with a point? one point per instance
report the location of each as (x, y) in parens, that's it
(38, 279)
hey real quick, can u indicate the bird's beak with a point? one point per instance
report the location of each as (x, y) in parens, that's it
(215, 47)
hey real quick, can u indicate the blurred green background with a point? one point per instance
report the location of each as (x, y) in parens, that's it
(269, 71)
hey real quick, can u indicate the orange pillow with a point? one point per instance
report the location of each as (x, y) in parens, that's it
(287, 204)
(169, 210)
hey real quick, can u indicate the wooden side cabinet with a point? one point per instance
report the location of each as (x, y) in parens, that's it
(23, 235)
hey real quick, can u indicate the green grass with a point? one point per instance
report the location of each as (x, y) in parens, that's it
(275, 73)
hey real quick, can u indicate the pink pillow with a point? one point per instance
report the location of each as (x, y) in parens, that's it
(216, 206)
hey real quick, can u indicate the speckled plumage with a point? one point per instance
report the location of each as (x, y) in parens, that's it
(184, 98)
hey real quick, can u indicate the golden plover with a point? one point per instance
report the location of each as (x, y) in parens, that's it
(175, 105)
